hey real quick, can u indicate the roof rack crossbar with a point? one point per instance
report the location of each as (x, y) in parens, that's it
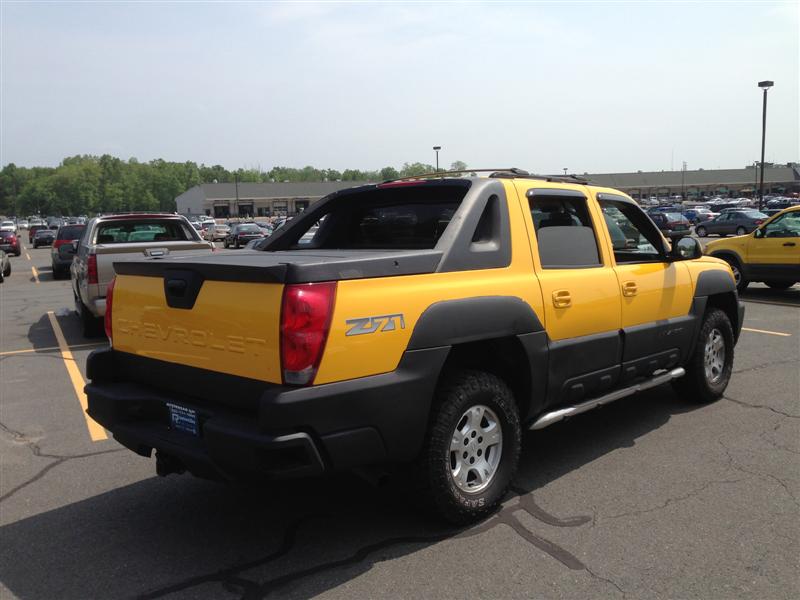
(508, 173)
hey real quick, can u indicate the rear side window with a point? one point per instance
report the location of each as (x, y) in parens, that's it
(71, 232)
(129, 231)
(564, 232)
(403, 217)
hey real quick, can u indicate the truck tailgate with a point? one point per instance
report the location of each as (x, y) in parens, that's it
(232, 327)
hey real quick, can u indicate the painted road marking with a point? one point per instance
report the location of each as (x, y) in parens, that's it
(767, 332)
(96, 431)
(28, 256)
(50, 349)
(35, 274)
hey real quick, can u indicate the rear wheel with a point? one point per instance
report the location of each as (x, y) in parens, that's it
(91, 326)
(701, 231)
(741, 230)
(709, 368)
(780, 285)
(472, 447)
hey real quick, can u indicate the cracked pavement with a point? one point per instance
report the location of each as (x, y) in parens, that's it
(649, 497)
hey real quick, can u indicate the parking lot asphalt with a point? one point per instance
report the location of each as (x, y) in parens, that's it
(650, 497)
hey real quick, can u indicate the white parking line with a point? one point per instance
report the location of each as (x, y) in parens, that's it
(779, 333)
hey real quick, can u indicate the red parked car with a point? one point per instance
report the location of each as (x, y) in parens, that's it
(9, 242)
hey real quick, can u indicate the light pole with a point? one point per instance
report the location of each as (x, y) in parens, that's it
(565, 171)
(683, 182)
(436, 149)
(764, 85)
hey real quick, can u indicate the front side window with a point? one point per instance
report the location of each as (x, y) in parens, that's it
(564, 232)
(787, 225)
(632, 236)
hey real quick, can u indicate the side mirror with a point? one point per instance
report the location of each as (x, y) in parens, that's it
(685, 248)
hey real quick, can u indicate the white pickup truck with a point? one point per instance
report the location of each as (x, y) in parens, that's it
(117, 238)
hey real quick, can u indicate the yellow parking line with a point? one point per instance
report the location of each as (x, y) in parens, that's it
(96, 432)
(35, 274)
(49, 349)
(767, 332)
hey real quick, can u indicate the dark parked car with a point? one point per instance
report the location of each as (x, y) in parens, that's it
(32, 231)
(670, 221)
(44, 237)
(242, 233)
(9, 242)
(5, 266)
(63, 251)
(732, 222)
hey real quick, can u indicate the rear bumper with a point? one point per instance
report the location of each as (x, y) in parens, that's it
(256, 428)
(59, 261)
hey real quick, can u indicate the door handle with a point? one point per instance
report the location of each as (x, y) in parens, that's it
(562, 299)
(629, 289)
(789, 244)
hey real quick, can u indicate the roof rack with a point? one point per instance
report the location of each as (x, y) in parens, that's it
(505, 173)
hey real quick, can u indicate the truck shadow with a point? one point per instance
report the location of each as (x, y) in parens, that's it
(185, 537)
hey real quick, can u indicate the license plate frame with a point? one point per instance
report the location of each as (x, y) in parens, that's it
(183, 419)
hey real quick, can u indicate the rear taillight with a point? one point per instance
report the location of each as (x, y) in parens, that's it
(305, 320)
(91, 269)
(759, 221)
(109, 303)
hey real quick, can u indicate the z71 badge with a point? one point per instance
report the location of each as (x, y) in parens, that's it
(373, 324)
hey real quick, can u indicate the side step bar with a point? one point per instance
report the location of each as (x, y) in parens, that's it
(555, 416)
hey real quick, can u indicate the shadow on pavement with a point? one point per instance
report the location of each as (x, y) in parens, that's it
(163, 536)
(766, 294)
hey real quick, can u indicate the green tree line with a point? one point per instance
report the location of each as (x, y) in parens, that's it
(86, 185)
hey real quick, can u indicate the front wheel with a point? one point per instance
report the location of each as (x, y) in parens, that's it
(472, 448)
(709, 368)
(741, 231)
(701, 231)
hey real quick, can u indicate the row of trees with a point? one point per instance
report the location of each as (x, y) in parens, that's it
(85, 185)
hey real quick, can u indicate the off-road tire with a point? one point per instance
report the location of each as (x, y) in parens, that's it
(91, 326)
(779, 285)
(456, 394)
(695, 386)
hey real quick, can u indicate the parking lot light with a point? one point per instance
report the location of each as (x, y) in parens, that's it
(764, 85)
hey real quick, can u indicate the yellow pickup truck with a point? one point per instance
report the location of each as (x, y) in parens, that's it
(422, 322)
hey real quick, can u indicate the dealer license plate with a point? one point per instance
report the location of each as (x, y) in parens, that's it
(183, 419)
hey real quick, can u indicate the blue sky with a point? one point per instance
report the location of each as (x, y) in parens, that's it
(594, 87)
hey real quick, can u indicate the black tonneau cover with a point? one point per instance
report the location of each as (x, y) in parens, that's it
(292, 266)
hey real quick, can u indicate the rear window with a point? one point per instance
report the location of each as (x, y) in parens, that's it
(409, 217)
(248, 229)
(71, 232)
(129, 231)
(674, 216)
(753, 214)
(6, 234)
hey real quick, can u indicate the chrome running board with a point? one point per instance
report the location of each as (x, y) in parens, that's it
(555, 416)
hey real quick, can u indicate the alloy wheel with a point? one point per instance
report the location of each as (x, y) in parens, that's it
(714, 356)
(476, 449)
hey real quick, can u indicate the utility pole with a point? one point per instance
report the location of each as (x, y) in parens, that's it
(683, 182)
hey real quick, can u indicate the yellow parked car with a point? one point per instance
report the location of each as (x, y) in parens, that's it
(423, 322)
(770, 254)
